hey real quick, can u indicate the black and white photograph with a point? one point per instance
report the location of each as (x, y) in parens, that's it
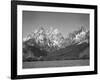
(53, 39)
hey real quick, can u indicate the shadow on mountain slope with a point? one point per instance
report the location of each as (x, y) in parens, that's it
(75, 51)
(71, 52)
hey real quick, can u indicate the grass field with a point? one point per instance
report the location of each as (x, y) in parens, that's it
(64, 63)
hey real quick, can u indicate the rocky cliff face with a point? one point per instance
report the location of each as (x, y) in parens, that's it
(53, 38)
(79, 36)
(48, 41)
(44, 38)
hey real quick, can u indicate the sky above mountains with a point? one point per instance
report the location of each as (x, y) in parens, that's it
(64, 22)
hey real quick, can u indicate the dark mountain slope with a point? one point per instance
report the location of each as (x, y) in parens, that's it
(70, 52)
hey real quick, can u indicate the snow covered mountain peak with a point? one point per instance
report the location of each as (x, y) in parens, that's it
(81, 35)
(48, 37)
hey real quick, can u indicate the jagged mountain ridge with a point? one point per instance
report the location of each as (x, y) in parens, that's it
(79, 36)
(46, 37)
(50, 38)
(49, 44)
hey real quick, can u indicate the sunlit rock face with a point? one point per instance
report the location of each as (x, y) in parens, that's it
(79, 36)
(46, 36)
(48, 43)
(52, 39)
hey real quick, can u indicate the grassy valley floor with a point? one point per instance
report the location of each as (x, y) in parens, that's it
(63, 63)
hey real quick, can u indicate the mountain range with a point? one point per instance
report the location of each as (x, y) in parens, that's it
(49, 44)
